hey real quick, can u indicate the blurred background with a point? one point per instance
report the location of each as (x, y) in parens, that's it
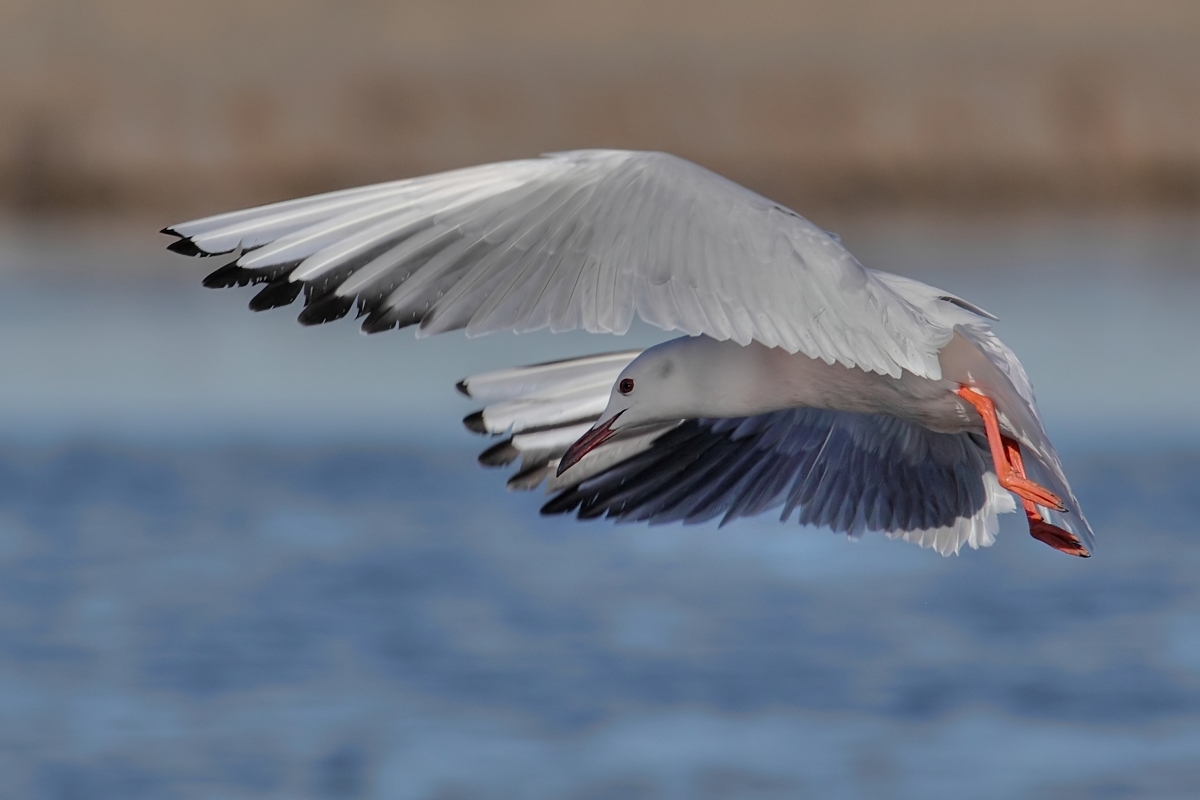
(176, 108)
(242, 559)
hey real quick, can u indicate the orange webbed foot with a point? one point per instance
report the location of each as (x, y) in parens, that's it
(1010, 471)
(1061, 540)
(1031, 492)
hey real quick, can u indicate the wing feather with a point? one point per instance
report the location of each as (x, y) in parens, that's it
(849, 472)
(586, 239)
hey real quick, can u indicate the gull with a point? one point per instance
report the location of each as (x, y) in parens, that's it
(803, 382)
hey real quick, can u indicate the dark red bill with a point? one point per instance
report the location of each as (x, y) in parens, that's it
(587, 443)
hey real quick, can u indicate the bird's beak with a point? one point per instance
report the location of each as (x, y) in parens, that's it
(598, 435)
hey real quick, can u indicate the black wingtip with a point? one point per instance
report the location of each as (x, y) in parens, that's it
(498, 455)
(378, 322)
(185, 247)
(227, 276)
(381, 319)
(562, 503)
(590, 511)
(462, 387)
(277, 293)
(528, 479)
(373, 324)
(474, 422)
(326, 309)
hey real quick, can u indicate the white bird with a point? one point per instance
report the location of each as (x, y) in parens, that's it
(806, 382)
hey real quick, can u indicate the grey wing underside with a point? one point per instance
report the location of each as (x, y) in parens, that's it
(850, 472)
(573, 240)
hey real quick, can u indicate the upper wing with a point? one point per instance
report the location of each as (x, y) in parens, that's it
(573, 240)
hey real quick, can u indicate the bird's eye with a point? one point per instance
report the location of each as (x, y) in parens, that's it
(625, 386)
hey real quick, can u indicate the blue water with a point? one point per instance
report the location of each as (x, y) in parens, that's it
(242, 560)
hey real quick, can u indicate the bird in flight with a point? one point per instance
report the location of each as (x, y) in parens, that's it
(803, 381)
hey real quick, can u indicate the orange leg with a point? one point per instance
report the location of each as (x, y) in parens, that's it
(1010, 471)
(1061, 540)
(1012, 454)
(1009, 478)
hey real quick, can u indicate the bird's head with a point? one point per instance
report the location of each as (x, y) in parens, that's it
(680, 379)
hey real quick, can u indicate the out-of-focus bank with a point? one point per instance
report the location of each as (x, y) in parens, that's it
(176, 109)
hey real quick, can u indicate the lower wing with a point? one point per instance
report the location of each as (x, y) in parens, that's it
(850, 472)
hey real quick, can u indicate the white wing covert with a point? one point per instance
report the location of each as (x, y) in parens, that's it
(573, 240)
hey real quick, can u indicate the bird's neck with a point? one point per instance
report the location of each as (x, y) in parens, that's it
(733, 380)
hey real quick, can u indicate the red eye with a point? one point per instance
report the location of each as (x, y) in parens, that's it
(625, 386)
